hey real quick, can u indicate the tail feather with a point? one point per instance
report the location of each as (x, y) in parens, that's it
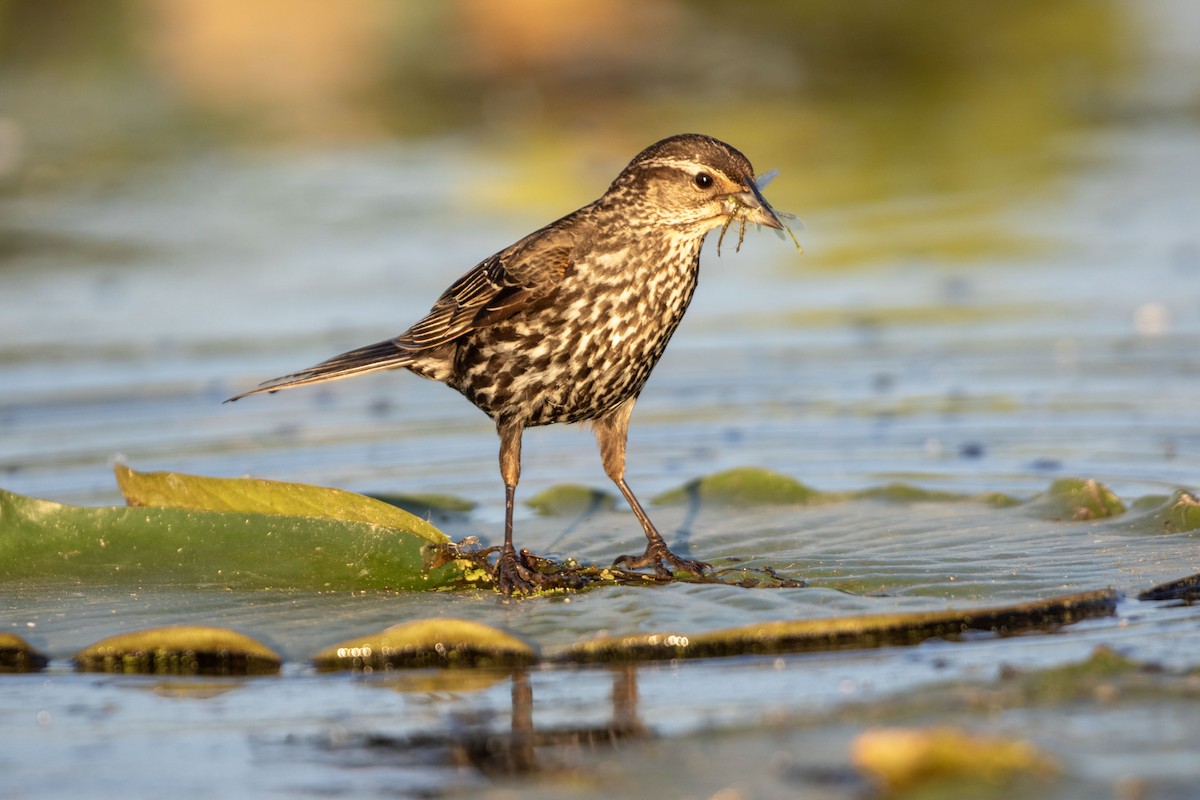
(360, 361)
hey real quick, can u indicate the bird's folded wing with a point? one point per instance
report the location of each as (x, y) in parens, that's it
(494, 290)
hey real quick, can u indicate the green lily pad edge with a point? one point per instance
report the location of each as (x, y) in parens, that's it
(228, 533)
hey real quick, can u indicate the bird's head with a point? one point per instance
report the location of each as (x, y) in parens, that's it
(694, 184)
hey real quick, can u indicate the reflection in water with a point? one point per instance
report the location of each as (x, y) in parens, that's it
(523, 748)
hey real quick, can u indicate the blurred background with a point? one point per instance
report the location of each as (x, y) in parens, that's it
(1000, 259)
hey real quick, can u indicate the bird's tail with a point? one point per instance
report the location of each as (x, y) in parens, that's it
(372, 358)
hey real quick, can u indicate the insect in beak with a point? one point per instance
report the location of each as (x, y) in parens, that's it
(751, 206)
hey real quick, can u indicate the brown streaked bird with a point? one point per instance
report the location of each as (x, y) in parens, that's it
(566, 324)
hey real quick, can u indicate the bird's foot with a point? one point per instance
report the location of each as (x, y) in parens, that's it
(656, 553)
(512, 574)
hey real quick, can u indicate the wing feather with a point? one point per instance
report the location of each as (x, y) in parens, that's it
(493, 290)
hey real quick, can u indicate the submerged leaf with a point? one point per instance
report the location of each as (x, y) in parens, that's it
(1075, 499)
(123, 546)
(1179, 513)
(570, 499)
(743, 486)
(907, 493)
(1078, 680)
(180, 650)
(258, 496)
(426, 504)
(441, 642)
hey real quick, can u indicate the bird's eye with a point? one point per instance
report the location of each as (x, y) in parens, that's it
(703, 180)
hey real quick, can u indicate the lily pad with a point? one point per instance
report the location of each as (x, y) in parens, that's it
(1076, 681)
(571, 499)
(124, 546)
(1185, 589)
(258, 496)
(440, 642)
(1076, 499)
(743, 486)
(179, 650)
(425, 504)
(900, 492)
(876, 630)
(1178, 513)
(17, 655)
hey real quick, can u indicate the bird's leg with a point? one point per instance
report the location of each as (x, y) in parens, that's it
(612, 433)
(511, 575)
(656, 548)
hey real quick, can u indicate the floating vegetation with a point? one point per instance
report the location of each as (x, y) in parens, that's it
(426, 505)
(1178, 513)
(439, 642)
(180, 650)
(258, 496)
(1185, 589)
(252, 534)
(904, 759)
(744, 486)
(120, 546)
(1076, 500)
(17, 655)
(841, 633)
(571, 499)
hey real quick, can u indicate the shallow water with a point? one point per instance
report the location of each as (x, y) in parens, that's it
(967, 336)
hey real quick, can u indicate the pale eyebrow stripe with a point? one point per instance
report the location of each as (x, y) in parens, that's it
(685, 166)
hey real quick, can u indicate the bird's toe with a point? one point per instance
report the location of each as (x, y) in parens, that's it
(512, 577)
(656, 556)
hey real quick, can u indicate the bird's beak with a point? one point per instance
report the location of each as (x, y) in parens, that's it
(753, 207)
